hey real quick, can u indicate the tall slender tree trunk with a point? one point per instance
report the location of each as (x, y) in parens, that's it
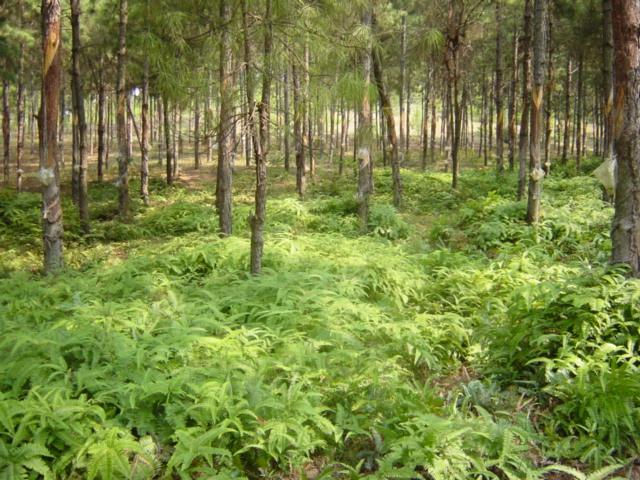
(425, 120)
(196, 133)
(452, 64)
(20, 108)
(121, 120)
(526, 100)
(491, 107)
(408, 129)
(6, 130)
(365, 135)
(579, 110)
(225, 124)
(432, 147)
(549, 88)
(257, 220)
(166, 117)
(102, 150)
(48, 122)
(20, 103)
(343, 135)
(62, 111)
(144, 157)
(308, 117)
(298, 129)
(403, 69)
(625, 233)
(539, 69)
(390, 124)
(175, 141)
(512, 103)
(607, 75)
(287, 121)
(80, 135)
(567, 113)
(498, 91)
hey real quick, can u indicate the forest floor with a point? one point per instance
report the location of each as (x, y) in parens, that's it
(453, 341)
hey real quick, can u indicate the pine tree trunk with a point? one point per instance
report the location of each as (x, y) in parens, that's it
(625, 233)
(121, 88)
(408, 129)
(432, 147)
(287, 121)
(175, 141)
(62, 110)
(607, 75)
(20, 108)
(167, 140)
(343, 135)
(567, 113)
(425, 120)
(579, 110)
(225, 124)
(365, 136)
(196, 134)
(101, 127)
(498, 90)
(539, 69)
(144, 159)
(48, 122)
(512, 104)
(390, 125)
(549, 88)
(298, 132)
(257, 220)
(6, 130)
(80, 135)
(307, 100)
(526, 101)
(403, 56)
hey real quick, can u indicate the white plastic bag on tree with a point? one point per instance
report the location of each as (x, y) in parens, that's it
(606, 174)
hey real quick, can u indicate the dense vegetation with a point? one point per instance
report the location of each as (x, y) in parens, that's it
(454, 339)
(307, 239)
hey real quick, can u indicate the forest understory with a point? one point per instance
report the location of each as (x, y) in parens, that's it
(452, 341)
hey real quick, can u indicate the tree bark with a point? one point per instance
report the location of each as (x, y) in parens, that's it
(80, 135)
(526, 101)
(539, 69)
(607, 75)
(48, 122)
(144, 143)
(625, 232)
(567, 113)
(167, 140)
(257, 219)
(123, 154)
(225, 125)
(579, 110)
(102, 150)
(20, 104)
(390, 124)
(287, 121)
(365, 136)
(20, 108)
(403, 61)
(298, 132)
(6, 130)
(512, 103)
(498, 91)
(196, 133)
(425, 119)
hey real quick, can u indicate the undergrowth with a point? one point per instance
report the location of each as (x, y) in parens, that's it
(453, 341)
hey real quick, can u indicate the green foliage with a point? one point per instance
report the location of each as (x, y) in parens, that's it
(454, 341)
